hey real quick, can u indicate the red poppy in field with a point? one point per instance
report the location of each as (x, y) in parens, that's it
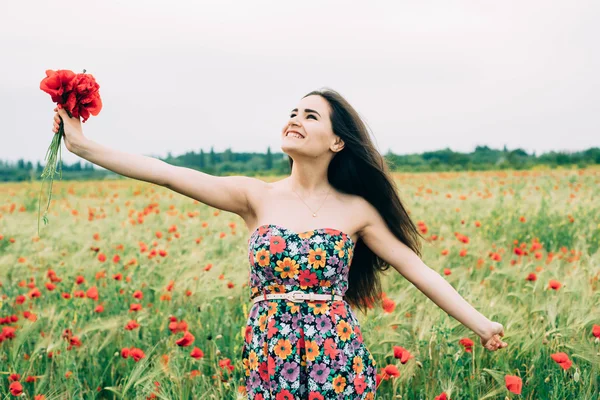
(131, 325)
(30, 316)
(16, 389)
(79, 279)
(186, 340)
(195, 372)
(136, 354)
(14, 377)
(467, 343)
(531, 277)
(596, 330)
(388, 305)
(197, 353)
(554, 284)
(101, 257)
(390, 371)
(562, 359)
(75, 341)
(135, 307)
(513, 383)
(462, 238)
(138, 294)
(225, 363)
(402, 354)
(50, 286)
(175, 326)
(92, 293)
(8, 332)
(125, 352)
(67, 334)
(52, 276)
(442, 396)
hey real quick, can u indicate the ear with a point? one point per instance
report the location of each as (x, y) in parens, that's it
(338, 145)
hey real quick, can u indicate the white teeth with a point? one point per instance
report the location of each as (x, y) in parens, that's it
(295, 135)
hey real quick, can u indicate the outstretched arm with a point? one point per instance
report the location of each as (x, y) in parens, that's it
(377, 236)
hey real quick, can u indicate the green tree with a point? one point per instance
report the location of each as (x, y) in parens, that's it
(269, 159)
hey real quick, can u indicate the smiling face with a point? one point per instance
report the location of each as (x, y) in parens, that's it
(311, 119)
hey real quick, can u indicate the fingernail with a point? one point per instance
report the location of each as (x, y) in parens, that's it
(59, 106)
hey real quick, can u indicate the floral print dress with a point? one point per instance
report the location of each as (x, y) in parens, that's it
(310, 349)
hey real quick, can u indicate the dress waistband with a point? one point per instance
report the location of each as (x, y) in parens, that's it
(297, 296)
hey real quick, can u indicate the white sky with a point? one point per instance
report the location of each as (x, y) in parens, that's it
(185, 75)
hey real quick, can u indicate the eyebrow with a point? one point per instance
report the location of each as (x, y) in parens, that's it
(308, 110)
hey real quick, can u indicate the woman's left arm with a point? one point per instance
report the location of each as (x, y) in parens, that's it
(377, 236)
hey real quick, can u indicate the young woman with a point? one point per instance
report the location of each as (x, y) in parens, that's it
(318, 239)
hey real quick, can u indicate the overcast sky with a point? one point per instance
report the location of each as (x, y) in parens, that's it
(425, 75)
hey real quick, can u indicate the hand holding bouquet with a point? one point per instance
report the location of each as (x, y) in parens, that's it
(76, 95)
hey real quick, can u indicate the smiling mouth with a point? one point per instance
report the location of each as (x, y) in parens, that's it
(295, 135)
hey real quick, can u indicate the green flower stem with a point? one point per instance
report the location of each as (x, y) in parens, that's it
(53, 158)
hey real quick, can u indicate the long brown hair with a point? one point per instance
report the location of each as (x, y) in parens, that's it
(360, 169)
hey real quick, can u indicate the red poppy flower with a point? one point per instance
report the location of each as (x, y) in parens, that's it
(186, 340)
(467, 343)
(197, 353)
(136, 354)
(16, 389)
(513, 383)
(553, 284)
(562, 359)
(402, 354)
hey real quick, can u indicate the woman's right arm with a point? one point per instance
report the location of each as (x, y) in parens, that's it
(131, 165)
(228, 193)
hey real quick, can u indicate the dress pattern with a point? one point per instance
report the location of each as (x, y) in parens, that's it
(311, 349)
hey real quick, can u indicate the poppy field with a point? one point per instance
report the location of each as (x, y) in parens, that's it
(135, 291)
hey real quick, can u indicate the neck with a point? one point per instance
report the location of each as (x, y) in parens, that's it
(309, 178)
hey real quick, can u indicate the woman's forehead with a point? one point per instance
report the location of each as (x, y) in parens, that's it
(313, 102)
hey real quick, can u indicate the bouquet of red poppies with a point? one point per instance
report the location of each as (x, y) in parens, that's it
(78, 95)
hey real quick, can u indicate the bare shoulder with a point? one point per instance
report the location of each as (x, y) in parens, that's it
(367, 214)
(255, 191)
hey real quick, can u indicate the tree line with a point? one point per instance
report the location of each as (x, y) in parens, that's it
(252, 164)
